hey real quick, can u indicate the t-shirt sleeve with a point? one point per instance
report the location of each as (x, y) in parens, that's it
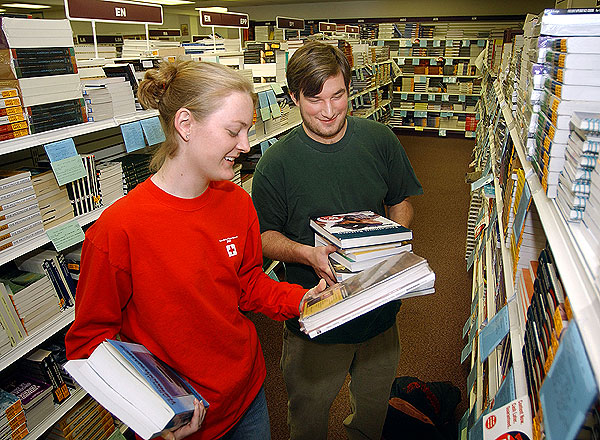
(268, 197)
(102, 293)
(260, 293)
(402, 180)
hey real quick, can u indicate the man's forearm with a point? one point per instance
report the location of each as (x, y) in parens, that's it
(277, 246)
(401, 213)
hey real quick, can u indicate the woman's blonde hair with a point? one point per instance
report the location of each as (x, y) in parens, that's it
(200, 87)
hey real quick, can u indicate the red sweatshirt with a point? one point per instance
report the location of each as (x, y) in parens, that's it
(175, 275)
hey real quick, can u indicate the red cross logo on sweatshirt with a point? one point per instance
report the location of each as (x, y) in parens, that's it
(229, 246)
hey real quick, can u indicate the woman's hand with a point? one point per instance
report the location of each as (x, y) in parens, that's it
(312, 293)
(191, 427)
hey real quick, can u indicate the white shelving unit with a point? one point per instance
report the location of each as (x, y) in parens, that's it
(7, 255)
(35, 339)
(582, 288)
(32, 140)
(61, 410)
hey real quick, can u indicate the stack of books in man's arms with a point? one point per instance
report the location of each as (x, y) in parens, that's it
(400, 276)
(362, 239)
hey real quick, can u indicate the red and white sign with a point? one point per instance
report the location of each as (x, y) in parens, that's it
(113, 11)
(224, 19)
(510, 422)
(327, 27)
(290, 23)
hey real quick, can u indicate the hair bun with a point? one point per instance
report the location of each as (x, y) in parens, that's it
(155, 84)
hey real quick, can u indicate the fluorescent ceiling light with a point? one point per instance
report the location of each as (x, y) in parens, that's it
(25, 6)
(168, 2)
(213, 9)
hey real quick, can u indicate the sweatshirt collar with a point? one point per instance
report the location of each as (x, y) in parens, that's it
(178, 202)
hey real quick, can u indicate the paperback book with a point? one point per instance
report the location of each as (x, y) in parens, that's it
(359, 229)
(136, 386)
(397, 277)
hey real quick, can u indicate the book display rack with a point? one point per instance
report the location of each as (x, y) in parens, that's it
(437, 86)
(437, 72)
(24, 147)
(536, 301)
(370, 91)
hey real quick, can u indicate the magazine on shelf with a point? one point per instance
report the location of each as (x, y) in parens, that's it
(359, 229)
(136, 386)
(399, 276)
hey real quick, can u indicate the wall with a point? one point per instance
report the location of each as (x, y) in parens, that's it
(174, 18)
(394, 8)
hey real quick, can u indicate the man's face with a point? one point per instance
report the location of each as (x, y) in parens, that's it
(324, 115)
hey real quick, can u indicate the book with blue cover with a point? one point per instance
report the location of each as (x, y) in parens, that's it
(137, 387)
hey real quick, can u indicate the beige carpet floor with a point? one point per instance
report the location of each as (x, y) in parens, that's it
(431, 326)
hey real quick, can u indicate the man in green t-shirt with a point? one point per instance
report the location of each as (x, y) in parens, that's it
(331, 164)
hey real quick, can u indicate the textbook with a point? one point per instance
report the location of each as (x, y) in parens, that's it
(397, 277)
(136, 386)
(359, 229)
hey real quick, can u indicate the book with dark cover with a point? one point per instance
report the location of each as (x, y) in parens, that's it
(136, 386)
(40, 364)
(359, 229)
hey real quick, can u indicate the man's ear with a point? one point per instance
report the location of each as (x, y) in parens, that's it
(183, 123)
(294, 98)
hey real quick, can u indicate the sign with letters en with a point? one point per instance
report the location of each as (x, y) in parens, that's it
(327, 27)
(224, 19)
(290, 23)
(113, 11)
(352, 29)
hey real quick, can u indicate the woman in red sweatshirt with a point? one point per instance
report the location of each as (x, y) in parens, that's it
(176, 263)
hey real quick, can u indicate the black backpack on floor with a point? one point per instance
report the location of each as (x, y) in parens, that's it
(421, 410)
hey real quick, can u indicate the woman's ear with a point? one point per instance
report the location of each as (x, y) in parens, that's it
(183, 123)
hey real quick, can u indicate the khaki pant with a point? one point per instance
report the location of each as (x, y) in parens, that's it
(314, 374)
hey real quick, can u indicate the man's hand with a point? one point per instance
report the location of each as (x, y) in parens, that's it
(312, 293)
(191, 427)
(320, 262)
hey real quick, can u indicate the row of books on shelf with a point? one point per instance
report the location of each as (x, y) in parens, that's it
(424, 85)
(31, 201)
(401, 118)
(556, 75)
(431, 66)
(34, 290)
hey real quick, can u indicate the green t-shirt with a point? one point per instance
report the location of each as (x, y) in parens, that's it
(298, 178)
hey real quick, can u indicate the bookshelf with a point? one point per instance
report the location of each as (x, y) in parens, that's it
(66, 317)
(436, 84)
(60, 410)
(496, 135)
(569, 251)
(370, 91)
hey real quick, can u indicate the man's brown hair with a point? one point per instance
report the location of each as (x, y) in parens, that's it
(312, 65)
